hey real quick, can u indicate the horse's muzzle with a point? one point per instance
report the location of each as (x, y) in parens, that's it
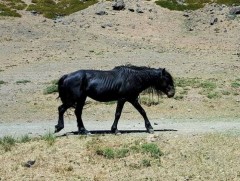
(171, 93)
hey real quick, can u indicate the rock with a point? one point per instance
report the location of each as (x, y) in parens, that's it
(213, 21)
(101, 12)
(235, 10)
(131, 9)
(118, 5)
(29, 163)
(106, 25)
(139, 10)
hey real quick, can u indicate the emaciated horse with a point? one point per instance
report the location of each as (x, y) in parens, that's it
(121, 84)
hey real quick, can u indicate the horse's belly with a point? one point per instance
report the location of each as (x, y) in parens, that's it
(104, 97)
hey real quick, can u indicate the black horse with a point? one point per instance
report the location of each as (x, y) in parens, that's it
(123, 83)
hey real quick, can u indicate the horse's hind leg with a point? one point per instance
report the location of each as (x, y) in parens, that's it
(144, 115)
(78, 113)
(61, 111)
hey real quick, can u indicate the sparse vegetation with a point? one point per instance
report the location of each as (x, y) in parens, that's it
(7, 142)
(50, 138)
(22, 81)
(2, 82)
(126, 156)
(53, 9)
(10, 7)
(192, 4)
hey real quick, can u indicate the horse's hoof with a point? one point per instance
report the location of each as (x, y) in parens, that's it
(84, 132)
(116, 131)
(151, 131)
(58, 128)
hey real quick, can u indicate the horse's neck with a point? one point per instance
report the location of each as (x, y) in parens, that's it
(149, 80)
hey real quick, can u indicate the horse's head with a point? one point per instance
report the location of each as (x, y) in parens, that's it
(165, 84)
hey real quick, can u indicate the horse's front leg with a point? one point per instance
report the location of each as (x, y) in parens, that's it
(148, 125)
(118, 112)
(61, 111)
(78, 113)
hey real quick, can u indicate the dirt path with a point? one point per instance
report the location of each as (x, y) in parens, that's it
(178, 126)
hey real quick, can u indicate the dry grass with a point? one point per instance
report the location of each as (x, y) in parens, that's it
(183, 157)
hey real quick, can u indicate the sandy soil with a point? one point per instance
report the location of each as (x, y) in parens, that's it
(40, 50)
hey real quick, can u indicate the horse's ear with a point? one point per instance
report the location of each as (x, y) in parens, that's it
(163, 71)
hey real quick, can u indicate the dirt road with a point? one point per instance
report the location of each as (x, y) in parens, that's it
(191, 126)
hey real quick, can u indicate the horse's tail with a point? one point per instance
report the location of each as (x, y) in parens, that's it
(61, 87)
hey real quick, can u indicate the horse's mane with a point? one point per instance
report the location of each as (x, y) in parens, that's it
(131, 67)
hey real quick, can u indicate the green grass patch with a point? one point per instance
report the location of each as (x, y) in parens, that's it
(52, 9)
(22, 81)
(111, 153)
(213, 95)
(235, 83)
(192, 4)
(152, 149)
(51, 88)
(2, 82)
(25, 138)
(50, 138)
(187, 82)
(7, 142)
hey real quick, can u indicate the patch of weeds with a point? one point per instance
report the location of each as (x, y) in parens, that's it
(236, 83)
(146, 162)
(52, 9)
(213, 95)
(187, 82)
(121, 153)
(208, 84)
(51, 88)
(152, 149)
(22, 81)
(106, 152)
(111, 153)
(148, 101)
(178, 97)
(50, 138)
(25, 138)
(192, 4)
(7, 142)
(2, 82)
(225, 92)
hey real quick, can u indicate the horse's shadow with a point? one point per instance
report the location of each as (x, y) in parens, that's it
(102, 132)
